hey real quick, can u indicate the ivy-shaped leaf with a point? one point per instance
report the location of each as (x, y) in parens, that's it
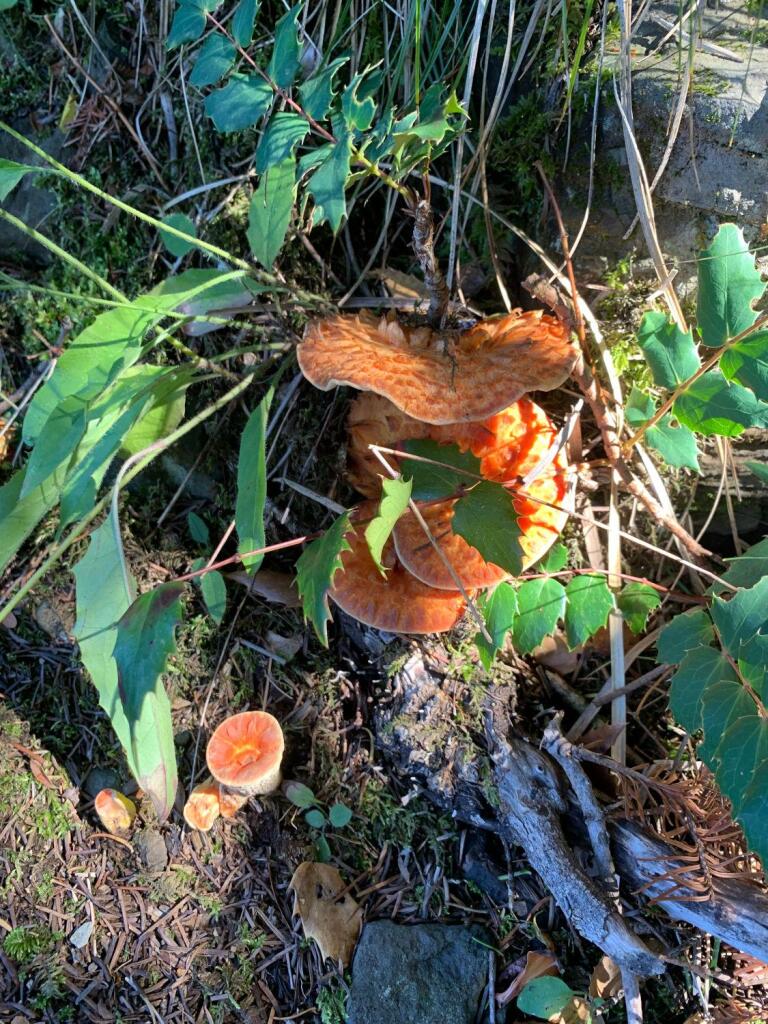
(636, 601)
(394, 501)
(722, 702)
(252, 485)
(753, 815)
(269, 215)
(284, 63)
(432, 482)
(240, 103)
(499, 610)
(485, 517)
(676, 444)
(747, 363)
(540, 604)
(699, 669)
(243, 21)
(749, 568)
(712, 405)
(145, 640)
(670, 353)
(316, 94)
(315, 569)
(741, 617)
(686, 632)
(216, 57)
(328, 182)
(283, 134)
(729, 284)
(742, 750)
(188, 23)
(589, 603)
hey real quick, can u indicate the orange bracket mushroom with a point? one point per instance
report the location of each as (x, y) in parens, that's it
(397, 603)
(245, 752)
(440, 376)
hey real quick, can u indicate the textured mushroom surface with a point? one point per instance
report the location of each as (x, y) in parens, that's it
(202, 807)
(510, 446)
(440, 376)
(116, 812)
(245, 752)
(397, 603)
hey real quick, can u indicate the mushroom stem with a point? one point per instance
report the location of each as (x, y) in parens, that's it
(424, 247)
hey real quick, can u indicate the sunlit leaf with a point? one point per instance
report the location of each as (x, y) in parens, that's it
(499, 609)
(165, 413)
(676, 444)
(145, 640)
(712, 405)
(589, 602)
(315, 569)
(328, 182)
(485, 517)
(729, 284)
(431, 482)
(242, 102)
(252, 485)
(554, 560)
(637, 601)
(541, 604)
(358, 111)
(316, 94)
(747, 363)
(670, 353)
(394, 502)
(748, 568)
(59, 436)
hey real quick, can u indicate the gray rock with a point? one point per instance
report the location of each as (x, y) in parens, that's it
(418, 974)
(98, 779)
(30, 201)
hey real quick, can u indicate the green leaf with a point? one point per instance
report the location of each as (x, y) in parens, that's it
(283, 134)
(315, 818)
(684, 633)
(712, 405)
(555, 559)
(729, 284)
(499, 610)
(747, 363)
(486, 519)
(541, 603)
(284, 63)
(252, 485)
(545, 997)
(339, 815)
(747, 569)
(242, 102)
(214, 592)
(11, 174)
(19, 516)
(322, 850)
(394, 502)
(358, 112)
(699, 669)
(753, 815)
(328, 182)
(723, 702)
(188, 24)
(165, 413)
(430, 483)
(315, 569)
(177, 246)
(589, 602)
(216, 57)
(243, 21)
(145, 639)
(198, 528)
(636, 601)
(60, 435)
(676, 444)
(741, 617)
(742, 750)
(670, 353)
(317, 93)
(759, 469)
(269, 215)
(300, 795)
(104, 591)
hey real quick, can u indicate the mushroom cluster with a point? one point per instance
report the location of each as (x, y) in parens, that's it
(463, 388)
(244, 756)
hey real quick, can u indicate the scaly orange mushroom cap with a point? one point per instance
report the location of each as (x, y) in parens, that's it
(116, 812)
(509, 446)
(245, 752)
(397, 603)
(440, 376)
(202, 807)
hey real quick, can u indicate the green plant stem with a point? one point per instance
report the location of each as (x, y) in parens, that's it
(705, 367)
(81, 268)
(77, 531)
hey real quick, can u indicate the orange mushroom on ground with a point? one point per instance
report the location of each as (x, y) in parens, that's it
(116, 812)
(397, 602)
(245, 752)
(202, 807)
(447, 376)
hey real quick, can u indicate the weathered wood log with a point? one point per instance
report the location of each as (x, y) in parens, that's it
(521, 796)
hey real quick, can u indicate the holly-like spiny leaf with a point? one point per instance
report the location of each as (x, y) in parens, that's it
(712, 405)
(317, 93)
(686, 632)
(280, 139)
(699, 669)
(729, 284)
(215, 58)
(240, 103)
(670, 353)
(328, 182)
(284, 63)
(676, 444)
(243, 21)
(269, 215)
(315, 569)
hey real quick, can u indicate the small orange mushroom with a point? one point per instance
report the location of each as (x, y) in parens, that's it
(397, 603)
(229, 802)
(515, 442)
(116, 812)
(202, 807)
(245, 752)
(440, 376)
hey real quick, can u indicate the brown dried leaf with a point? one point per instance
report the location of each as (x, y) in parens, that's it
(328, 914)
(537, 965)
(276, 587)
(605, 982)
(575, 1012)
(440, 376)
